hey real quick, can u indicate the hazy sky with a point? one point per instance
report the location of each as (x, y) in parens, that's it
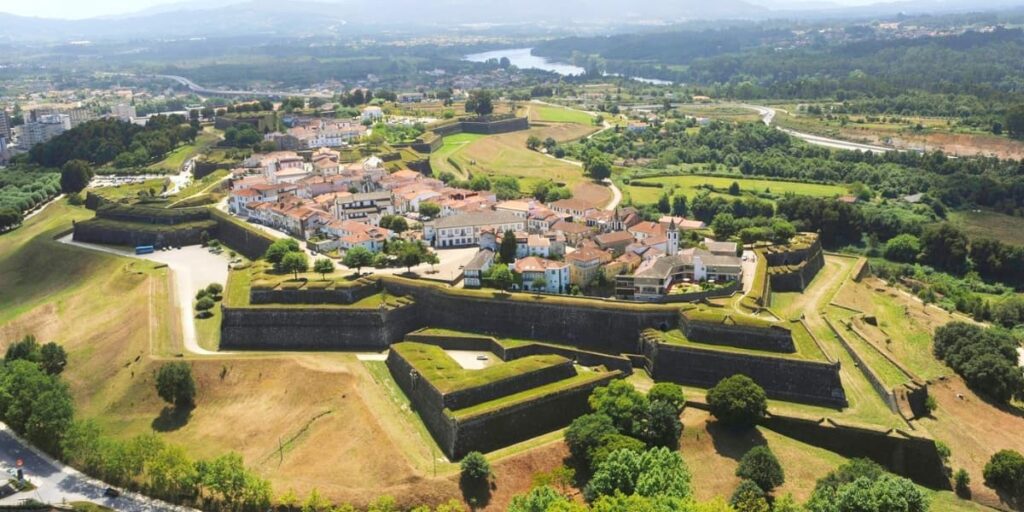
(92, 8)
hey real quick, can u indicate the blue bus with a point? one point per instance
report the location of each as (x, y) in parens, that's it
(144, 249)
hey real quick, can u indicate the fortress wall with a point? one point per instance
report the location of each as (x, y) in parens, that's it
(787, 379)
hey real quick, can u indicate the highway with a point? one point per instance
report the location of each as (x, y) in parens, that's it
(768, 116)
(198, 89)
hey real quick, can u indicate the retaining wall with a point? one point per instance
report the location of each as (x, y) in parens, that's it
(775, 339)
(115, 233)
(787, 379)
(876, 382)
(916, 458)
(483, 127)
(343, 295)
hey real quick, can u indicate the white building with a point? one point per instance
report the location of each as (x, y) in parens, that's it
(553, 274)
(373, 114)
(464, 230)
(123, 111)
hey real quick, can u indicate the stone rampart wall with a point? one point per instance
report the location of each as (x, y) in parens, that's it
(775, 339)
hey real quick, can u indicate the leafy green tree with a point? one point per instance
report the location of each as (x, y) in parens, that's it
(661, 425)
(725, 226)
(323, 266)
(275, 253)
(734, 189)
(53, 358)
(1005, 472)
(399, 225)
(669, 393)
(533, 142)
(782, 231)
(962, 483)
(502, 277)
(75, 176)
(295, 262)
(226, 479)
(621, 402)
(586, 433)
(902, 248)
(664, 204)
(760, 466)
(1014, 121)
(429, 209)
(655, 472)
(748, 497)
(598, 167)
(174, 383)
(539, 499)
(945, 248)
(480, 102)
(26, 349)
(357, 258)
(474, 467)
(411, 254)
(679, 206)
(612, 443)
(737, 401)
(509, 246)
(214, 290)
(35, 404)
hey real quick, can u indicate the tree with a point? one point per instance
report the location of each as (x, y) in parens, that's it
(480, 102)
(586, 433)
(986, 358)
(502, 277)
(295, 262)
(357, 258)
(679, 207)
(962, 482)
(760, 466)
(508, 248)
(737, 401)
(540, 499)
(621, 402)
(34, 403)
(75, 176)
(655, 472)
(734, 189)
(748, 497)
(612, 443)
(53, 358)
(27, 349)
(598, 167)
(782, 231)
(411, 254)
(214, 290)
(275, 253)
(474, 467)
(225, 478)
(661, 425)
(664, 204)
(1005, 472)
(1014, 122)
(902, 248)
(323, 266)
(399, 224)
(429, 209)
(669, 393)
(945, 248)
(725, 226)
(175, 385)
(533, 142)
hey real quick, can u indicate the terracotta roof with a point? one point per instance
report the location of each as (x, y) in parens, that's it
(535, 264)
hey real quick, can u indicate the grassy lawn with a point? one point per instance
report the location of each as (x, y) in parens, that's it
(890, 375)
(131, 190)
(692, 184)
(548, 113)
(176, 158)
(582, 379)
(723, 112)
(989, 224)
(437, 367)
(208, 329)
(452, 144)
(201, 186)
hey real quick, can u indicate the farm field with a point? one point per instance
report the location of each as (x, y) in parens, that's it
(989, 224)
(507, 155)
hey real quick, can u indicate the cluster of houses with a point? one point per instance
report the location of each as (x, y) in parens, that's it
(560, 245)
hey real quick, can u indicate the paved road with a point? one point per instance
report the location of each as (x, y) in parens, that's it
(198, 89)
(58, 483)
(768, 116)
(192, 268)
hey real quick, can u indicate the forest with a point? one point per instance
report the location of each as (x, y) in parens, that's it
(106, 141)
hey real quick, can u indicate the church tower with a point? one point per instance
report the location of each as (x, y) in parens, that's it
(673, 238)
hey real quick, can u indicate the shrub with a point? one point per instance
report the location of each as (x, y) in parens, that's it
(963, 482)
(655, 472)
(669, 393)
(760, 466)
(737, 401)
(202, 293)
(1005, 472)
(214, 289)
(475, 467)
(204, 304)
(612, 443)
(902, 248)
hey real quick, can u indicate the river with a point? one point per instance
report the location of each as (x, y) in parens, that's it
(523, 59)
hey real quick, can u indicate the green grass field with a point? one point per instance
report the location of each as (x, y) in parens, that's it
(550, 114)
(989, 224)
(690, 185)
(452, 144)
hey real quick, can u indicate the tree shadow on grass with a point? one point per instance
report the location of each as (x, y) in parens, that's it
(172, 418)
(734, 442)
(476, 492)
